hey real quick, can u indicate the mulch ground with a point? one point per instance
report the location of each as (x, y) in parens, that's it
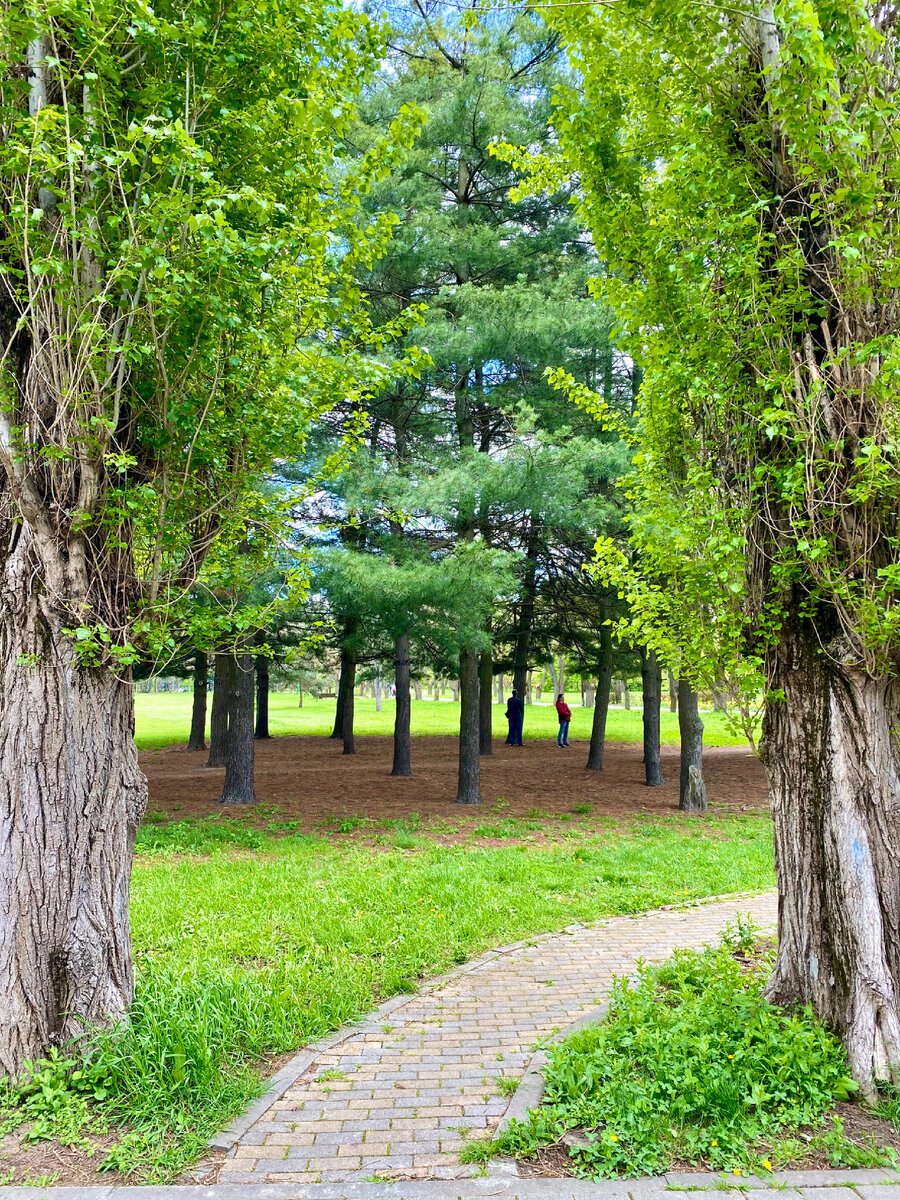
(309, 780)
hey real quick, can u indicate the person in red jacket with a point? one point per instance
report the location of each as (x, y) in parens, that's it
(565, 716)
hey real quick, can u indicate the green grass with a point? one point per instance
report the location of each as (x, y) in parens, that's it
(693, 1065)
(248, 945)
(164, 718)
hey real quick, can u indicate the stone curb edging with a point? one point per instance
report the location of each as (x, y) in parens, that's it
(282, 1080)
(868, 1184)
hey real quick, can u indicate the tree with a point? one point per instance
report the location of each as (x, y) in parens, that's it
(507, 292)
(738, 170)
(197, 739)
(161, 178)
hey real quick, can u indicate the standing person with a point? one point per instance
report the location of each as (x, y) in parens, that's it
(565, 716)
(515, 714)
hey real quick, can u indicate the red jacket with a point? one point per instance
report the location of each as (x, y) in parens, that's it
(565, 713)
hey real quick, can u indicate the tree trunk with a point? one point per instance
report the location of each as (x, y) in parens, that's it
(673, 693)
(241, 752)
(262, 697)
(651, 681)
(376, 687)
(218, 725)
(402, 709)
(500, 688)
(417, 689)
(626, 695)
(299, 695)
(720, 700)
(469, 790)
(588, 693)
(528, 696)
(197, 739)
(346, 684)
(348, 710)
(525, 622)
(601, 702)
(831, 756)
(71, 797)
(554, 679)
(485, 705)
(691, 789)
(618, 690)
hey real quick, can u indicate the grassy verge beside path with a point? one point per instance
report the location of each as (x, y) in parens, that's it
(165, 718)
(247, 953)
(694, 1067)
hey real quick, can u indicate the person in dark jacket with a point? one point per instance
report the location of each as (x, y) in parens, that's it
(565, 716)
(515, 714)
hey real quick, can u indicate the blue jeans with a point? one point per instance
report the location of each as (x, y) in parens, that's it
(563, 735)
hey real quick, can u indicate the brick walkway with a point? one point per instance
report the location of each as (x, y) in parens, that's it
(393, 1098)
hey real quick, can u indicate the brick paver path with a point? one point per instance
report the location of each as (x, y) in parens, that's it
(403, 1088)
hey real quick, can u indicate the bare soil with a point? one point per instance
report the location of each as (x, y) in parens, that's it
(310, 781)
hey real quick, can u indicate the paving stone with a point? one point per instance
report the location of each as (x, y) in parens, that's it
(861, 1176)
(830, 1192)
(428, 1077)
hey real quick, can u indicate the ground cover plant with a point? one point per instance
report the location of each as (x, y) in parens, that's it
(694, 1067)
(250, 943)
(163, 719)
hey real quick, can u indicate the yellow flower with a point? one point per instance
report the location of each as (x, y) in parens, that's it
(767, 1164)
(731, 1056)
(714, 1142)
(736, 1171)
(613, 1138)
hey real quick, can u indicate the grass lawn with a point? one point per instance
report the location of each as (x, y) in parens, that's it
(165, 718)
(249, 945)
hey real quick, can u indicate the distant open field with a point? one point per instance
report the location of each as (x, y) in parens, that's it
(164, 719)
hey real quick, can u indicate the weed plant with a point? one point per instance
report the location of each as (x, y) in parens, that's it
(693, 1065)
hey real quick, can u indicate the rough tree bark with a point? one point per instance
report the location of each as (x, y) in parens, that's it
(691, 788)
(651, 681)
(346, 683)
(401, 764)
(601, 702)
(71, 797)
(240, 751)
(262, 697)
(673, 693)
(485, 703)
(218, 723)
(348, 706)
(469, 789)
(831, 755)
(197, 739)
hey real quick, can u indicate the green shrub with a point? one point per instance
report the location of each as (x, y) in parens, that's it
(692, 1065)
